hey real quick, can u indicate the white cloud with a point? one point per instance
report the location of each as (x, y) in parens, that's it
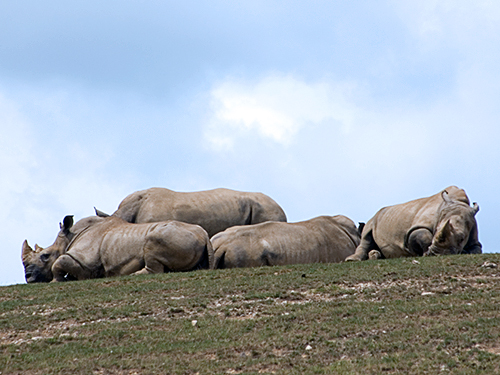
(349, 151)
(274, 107)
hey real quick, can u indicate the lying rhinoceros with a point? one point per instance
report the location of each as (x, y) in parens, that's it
(324, 239)
(214, 210)
(438, 225)
(102, 247)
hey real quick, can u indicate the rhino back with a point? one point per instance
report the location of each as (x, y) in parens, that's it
(214, 210)
(318, 240)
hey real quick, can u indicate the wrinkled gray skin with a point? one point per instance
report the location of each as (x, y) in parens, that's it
(324, 239)
(214, 210)
(442, 224)
(103, 247)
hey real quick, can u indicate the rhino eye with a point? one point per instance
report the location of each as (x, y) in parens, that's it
(44, 257)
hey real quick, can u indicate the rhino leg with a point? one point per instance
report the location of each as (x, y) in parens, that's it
(419, 241)
(161, 257)
(366, 245)
(473, 250)
(154, 263)
(66, 268)
(473, 245)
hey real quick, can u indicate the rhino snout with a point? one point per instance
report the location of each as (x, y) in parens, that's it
(33, 274)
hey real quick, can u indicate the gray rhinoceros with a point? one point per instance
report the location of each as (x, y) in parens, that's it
(441, 224)
(214, 210)
(324, 239)
(102, 247)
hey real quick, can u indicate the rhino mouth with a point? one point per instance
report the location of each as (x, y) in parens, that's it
(32, 275)
(36, 279)
(435, 250)
(31, 278)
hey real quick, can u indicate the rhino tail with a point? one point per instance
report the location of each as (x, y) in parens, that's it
(220, 260)
(209, 253)
(207, 259)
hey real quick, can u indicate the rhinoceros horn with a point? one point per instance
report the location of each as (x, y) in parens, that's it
(445, 232)
(27, 252)
(38, 248)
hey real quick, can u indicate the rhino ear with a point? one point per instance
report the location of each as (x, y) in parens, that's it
(27, 252)
(475, 208)
(67, 223)
(446, 196)
(361, 226)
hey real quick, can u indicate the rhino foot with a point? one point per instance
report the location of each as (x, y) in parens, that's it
(374, 254)
(143, 271)
(353, 258)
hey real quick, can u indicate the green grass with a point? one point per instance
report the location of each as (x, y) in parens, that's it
(437, 315)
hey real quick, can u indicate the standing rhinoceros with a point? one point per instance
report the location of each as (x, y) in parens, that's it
(214, 210)
(438, 225)
(102, 247)
(324, 239)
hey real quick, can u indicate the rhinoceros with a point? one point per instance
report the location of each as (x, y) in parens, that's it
(214, 210)
(96, 247)
(441, 224)
(324, 239)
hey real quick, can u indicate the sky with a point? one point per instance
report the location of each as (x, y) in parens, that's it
(328, 107)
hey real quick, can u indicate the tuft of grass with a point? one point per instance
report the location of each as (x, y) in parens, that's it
(431, 315)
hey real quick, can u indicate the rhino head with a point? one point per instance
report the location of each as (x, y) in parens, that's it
(38, 263)
(455, 224)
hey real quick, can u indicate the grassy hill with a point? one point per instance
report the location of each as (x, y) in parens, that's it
(436, 315)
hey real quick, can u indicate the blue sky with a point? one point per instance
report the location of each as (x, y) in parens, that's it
(328, 107)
